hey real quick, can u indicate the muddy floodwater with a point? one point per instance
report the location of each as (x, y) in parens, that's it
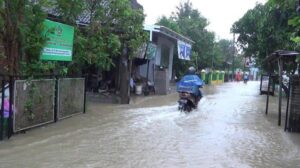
(229, 129)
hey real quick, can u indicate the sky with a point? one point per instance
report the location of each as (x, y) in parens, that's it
(221, 14)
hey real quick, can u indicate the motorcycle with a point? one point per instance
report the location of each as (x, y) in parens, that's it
(189, 92)
(187, 101)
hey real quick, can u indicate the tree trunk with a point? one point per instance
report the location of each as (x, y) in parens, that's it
(124, 77)
(12, 18)
(12, 54)
(117, 75)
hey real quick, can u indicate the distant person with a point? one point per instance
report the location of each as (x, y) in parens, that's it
(238, 76)
(285, 83)
(246, 77)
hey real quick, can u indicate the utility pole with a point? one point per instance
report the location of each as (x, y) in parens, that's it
(233, 55)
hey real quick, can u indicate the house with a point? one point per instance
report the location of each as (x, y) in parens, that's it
(159, 70)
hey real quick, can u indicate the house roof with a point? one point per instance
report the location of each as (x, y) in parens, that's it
(84, 18)
(136, 5)
(282, 54)
(168, 32)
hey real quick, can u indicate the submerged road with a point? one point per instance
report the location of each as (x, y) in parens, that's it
(229, 129)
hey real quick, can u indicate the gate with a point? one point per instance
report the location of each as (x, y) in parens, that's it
(30, 103)
(70, 99)
(293, 116)
(34, 103)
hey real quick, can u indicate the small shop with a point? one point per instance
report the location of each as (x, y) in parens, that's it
(287, 77)
(153, 65)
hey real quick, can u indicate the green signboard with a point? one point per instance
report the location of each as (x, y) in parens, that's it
(59, 46)
(151, 51)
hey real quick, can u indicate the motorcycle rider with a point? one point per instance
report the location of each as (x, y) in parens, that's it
(189, 90)
(192, 71)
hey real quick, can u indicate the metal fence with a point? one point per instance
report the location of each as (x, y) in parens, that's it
(27, 102)
(293, 111)
(70, 91)
(33, 102)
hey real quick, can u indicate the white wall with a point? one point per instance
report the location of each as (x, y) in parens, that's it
(157, 60)
(171, 46)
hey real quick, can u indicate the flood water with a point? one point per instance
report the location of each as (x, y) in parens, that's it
(229, 129)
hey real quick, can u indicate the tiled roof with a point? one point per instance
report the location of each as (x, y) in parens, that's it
(84, 18)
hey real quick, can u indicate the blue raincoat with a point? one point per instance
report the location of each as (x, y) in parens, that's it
(190, 84)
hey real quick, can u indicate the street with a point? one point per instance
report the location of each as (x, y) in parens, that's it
(229, 129)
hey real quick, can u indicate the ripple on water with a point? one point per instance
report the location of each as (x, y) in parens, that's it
(229, 129)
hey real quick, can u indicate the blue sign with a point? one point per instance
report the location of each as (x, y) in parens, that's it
(184, 50)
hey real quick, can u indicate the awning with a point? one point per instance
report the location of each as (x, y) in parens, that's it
(168, 32)
(282, 54)
(184, 44)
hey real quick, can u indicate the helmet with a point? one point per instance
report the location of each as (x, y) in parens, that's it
(191, 70)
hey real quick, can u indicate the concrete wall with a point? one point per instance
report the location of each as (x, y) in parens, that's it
(171, 45)
(157, 61)
(161, 78)
(162, 83)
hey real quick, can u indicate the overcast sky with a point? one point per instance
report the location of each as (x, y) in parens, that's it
(220, 13)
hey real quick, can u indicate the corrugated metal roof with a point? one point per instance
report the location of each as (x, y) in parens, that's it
(282, 54)
(168, 32)
(84, 18)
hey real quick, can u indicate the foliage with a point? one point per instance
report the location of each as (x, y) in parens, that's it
(265, 29)
(193, 25)
(206, 52)
(21, 25)
(169, 22)
(111, 24)
(29, 103)
(226, 50)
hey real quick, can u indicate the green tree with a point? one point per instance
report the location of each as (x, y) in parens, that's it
(189, 22)
(226, 49)
(115, 31)
(21, 23)
(265, 28)
(169, 23)
(193, 25)
(111, 24)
